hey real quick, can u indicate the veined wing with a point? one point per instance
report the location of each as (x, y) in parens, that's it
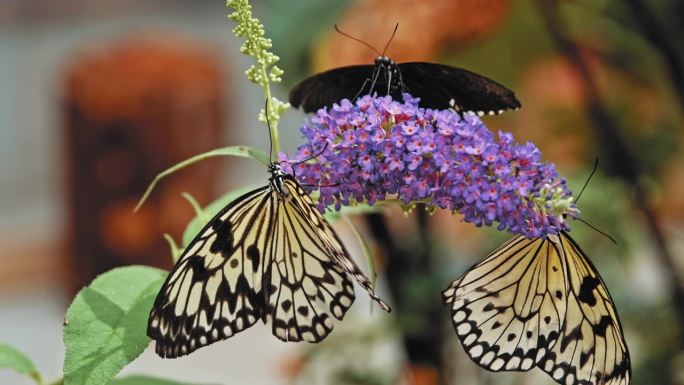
(508, 309)
(215, 289)
(591, 349)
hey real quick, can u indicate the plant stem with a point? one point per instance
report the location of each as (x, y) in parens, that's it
(265, 70)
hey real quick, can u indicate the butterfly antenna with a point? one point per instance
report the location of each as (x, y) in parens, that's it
(593, 171)
(390, 40)
(597, 230)
(356, 39)
(270, 140)
(312, 156)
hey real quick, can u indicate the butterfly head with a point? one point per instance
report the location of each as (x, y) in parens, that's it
(384, 61)
(277, 178)
(275, 170)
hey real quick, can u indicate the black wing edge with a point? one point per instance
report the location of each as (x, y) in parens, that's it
(325, 88)
(437, 85)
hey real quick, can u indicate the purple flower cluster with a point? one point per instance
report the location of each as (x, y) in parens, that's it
(380, 149)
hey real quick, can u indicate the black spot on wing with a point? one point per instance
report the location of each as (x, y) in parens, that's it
(223, 243)
(199, 271)
(574, 335)
(303, 310)
(601, 327)
(286, 304)
(253, 256)
(586, 291)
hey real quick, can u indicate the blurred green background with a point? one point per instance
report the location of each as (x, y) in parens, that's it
(91, 89)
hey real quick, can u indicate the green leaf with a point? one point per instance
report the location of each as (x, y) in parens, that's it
(106, 324)
(196, 207)
(11, 358)
(197, 223)
(242, 151)
(175, 250)
(145, 380)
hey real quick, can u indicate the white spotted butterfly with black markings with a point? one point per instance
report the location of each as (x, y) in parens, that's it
(540, 302)
(267, 255)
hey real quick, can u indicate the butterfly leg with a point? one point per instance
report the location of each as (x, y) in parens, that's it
(361, 90)
(376, 74)
(404, 87)
(322, 185)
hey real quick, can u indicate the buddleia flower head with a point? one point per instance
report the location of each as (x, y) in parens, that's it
(379, 149)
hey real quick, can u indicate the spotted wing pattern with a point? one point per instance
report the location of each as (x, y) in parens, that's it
(508, 309)
(267, 255)
(215, 289)
(540, 302)
(318, 238)
(591, 349)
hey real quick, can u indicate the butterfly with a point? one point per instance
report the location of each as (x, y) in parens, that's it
(438, 86)
(540, 302)
(267, 255)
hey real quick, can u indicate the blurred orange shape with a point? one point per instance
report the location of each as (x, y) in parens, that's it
(422, 375)
(425, 28)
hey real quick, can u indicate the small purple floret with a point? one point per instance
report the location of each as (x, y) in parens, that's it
(378, 149)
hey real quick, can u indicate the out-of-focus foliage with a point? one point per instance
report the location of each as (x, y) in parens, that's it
(145, 380)
(293, 25)
(512, 45)
(13, 359)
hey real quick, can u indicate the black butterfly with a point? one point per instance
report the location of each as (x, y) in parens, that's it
(438, 86)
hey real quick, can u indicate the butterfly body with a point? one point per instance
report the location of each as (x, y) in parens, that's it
(438, 86)
(540, 302)
(391, 77)
(267, 255)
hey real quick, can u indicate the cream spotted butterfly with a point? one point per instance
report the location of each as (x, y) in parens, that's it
(540, 302)
(268, 255)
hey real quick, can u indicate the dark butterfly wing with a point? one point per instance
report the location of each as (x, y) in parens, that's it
(438, 85)
(324, 89)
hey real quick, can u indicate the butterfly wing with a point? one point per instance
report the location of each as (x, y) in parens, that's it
(215, 289)
(591, 349)
(324, 89)
(265, 255)
(437, 85)
(330, 243)
(309, 275)
(508, 309)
